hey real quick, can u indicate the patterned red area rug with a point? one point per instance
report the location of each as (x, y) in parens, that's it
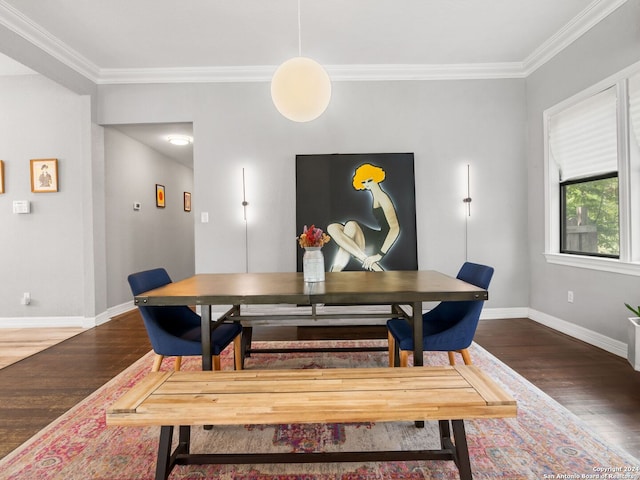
(544, 441)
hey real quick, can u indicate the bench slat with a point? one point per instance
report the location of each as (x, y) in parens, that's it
(490, 391)
(131, 400)
(317, 396)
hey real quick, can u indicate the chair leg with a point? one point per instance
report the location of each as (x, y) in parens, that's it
(216, 362)
(237, 352)
(404, 358)
(157, 361)
(452, 358)
(465, 356)
(392, 350)
(177, 364)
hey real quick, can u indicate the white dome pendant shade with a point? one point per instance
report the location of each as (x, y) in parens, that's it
(301, 89)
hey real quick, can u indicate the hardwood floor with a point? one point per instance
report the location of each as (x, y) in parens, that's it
(600, 388)
(19, 343)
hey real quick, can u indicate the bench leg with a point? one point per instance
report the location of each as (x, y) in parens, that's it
(163, 467)
(462, 450)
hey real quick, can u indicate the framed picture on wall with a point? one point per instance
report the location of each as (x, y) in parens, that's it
(366, 200)
(44, 175)
(187, 201)
(1, 176)
(160, 199)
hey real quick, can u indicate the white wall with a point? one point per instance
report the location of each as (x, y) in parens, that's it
(44, 252)
(599, 297)
(447, 124)
(150, 237)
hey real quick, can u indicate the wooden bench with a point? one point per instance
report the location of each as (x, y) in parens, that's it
(447, 394)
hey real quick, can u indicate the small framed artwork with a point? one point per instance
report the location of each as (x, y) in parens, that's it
(160, 196)
(1, 176)
(187, 201)
(44, 175)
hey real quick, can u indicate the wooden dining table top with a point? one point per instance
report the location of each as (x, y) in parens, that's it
(350, 287)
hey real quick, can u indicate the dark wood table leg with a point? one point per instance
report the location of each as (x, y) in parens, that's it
(247, 334)
(207, 362)
(418, 360)
(445, 432)
(416, 320)
(184, 439)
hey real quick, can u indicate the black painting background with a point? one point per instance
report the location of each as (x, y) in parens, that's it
(325, 194)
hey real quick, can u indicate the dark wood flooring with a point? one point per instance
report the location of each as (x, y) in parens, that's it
(599, 387)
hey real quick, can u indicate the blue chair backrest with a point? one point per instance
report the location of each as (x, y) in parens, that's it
(450, 313)
(476, 274)
(162, 323)
(148, 280)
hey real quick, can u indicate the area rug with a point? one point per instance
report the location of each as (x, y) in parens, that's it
(544, 441)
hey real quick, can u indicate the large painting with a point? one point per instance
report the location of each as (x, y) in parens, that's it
(366, 203)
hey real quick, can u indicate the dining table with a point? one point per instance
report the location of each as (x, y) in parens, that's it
(404, 291)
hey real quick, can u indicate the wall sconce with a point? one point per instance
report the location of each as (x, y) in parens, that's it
(245, 204)
(467, 199)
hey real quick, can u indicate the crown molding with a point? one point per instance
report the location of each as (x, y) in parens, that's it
(23, 26)
(338, 73)
(15, 21)
(578, 26)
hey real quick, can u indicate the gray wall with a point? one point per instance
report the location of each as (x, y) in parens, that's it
(447, 124)
(150, 237)
(74, 251)
(599, 296)
(494, 125)
(49, 252)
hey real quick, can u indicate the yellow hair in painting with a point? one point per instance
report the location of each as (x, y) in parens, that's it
(366, 171)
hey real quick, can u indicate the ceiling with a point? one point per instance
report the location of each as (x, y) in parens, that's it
(154, 135)
(107, 39)
(124, 41)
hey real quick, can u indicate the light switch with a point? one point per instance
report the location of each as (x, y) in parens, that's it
(204, 217)
(21, 206)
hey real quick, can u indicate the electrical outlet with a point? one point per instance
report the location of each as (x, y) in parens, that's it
(570, 296)
(26, 298)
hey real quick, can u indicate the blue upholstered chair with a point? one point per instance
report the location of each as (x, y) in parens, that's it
(175, 330)
(448, 327)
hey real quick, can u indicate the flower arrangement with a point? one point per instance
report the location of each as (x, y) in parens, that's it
(313, 237)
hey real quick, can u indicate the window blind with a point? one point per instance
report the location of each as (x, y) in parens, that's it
(582, 138)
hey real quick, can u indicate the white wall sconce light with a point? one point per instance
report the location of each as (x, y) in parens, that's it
(467, 199)
(301, 87)
(180, 140)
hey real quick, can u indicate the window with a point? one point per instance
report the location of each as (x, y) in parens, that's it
(590, 221)
(593, 174)
(583, 145)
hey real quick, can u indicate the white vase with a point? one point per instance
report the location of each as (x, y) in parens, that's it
(313, 264)
(633, 348)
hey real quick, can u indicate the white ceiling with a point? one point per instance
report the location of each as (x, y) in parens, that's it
(155, 136)
(118, 41)
(108, 40)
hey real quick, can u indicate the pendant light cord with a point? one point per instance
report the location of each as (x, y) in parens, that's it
(299, 32)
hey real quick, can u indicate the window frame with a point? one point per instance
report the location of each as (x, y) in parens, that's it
(563, 213)
(628, 262)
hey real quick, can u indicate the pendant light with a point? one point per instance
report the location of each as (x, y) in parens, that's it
(300, 87)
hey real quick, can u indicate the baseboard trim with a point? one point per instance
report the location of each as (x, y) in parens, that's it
(44, 322)
(576, 331)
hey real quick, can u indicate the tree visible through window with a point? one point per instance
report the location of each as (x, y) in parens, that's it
(590, 216)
